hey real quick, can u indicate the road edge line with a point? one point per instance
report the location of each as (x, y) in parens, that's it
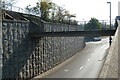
(54, 69)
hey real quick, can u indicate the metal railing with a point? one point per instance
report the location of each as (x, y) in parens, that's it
(10, 7)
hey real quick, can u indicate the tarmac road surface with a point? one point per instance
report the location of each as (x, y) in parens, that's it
(87, 64)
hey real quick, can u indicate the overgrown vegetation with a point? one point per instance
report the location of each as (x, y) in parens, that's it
(7, 3)
(51, 12)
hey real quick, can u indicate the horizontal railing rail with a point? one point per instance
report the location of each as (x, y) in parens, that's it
(74, 33)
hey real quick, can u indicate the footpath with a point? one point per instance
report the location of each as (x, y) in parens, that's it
(110, 67)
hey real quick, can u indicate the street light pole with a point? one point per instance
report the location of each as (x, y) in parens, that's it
(110, 39)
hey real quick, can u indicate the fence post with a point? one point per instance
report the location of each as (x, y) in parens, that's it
(1, 50)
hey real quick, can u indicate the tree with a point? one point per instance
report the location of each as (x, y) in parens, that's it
(28, 9)
(33, 10)
(8, 3)
(51, 12)
(93, 24)
(45, 10)
(41, 8)
(60, 14)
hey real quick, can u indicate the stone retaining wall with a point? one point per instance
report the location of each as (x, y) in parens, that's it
(24, 57)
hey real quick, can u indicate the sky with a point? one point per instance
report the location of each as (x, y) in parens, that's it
(84, 9)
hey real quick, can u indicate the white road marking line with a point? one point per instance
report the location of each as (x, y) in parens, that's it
(66, 70)
(81, 67)
(88, 59)
(1, 65)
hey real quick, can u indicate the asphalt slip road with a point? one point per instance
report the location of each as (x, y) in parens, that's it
(87, 63)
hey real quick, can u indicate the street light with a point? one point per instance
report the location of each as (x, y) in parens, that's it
(84, 22)
(110, 23)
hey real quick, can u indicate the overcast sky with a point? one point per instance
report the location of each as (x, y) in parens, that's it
(84, 9)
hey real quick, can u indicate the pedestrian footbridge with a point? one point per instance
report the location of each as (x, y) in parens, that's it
(30, 47)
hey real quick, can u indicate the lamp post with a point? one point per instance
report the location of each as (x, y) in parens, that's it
(110, 39)
(84, 23)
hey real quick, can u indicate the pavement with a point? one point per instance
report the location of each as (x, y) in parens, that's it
(111, 68)
(87, 63)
